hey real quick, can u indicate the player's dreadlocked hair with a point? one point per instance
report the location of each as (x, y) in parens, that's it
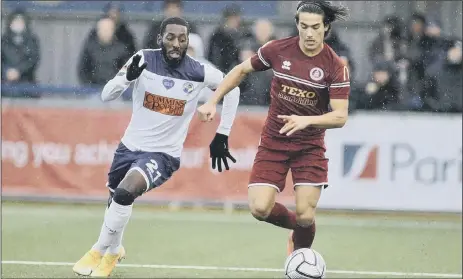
(329, 11)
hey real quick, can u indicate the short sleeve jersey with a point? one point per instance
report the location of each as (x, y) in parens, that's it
(301, 85)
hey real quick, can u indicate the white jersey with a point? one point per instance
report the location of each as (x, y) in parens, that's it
(165, 100)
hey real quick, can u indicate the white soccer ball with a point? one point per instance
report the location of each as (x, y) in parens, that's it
(305, 263)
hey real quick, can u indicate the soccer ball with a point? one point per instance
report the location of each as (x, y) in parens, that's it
(305, 263)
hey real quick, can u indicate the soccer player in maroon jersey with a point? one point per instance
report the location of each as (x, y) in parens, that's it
(309, 94)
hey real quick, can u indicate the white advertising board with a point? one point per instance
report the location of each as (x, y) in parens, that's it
(407, 162)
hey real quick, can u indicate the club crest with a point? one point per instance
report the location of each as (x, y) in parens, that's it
(188, 87)
(316, 74)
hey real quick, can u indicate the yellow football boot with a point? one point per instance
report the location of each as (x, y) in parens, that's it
(88, 262)
(108, 263)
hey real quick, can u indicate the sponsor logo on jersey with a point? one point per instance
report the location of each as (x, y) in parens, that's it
(188, 87)
(297, 92)
(297, 95)
(164, 105)
(168, 83)
(316, 74)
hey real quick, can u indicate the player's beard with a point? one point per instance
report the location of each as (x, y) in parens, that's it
(172, 62)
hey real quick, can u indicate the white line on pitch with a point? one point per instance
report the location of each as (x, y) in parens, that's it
(160, 266)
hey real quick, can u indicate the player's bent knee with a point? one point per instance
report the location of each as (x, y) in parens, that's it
(123, 197)
(260, 213)
(261, 201)
(135, 183)
(260, 209)
(306, 218)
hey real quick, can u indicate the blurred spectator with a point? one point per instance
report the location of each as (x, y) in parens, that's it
(415, 36)
(224, 44)
(390, 44)
(263, 32)
(102, 56)
(171, 8)
(20, 49)
(435, 46)
(413, 66)
(383, 90)
(122, 33)
(255, 88)
(445, 87)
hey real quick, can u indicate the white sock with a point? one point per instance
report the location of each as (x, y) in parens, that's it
(116, 218)
(117, 243)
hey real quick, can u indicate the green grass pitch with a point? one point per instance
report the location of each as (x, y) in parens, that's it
(44, 240)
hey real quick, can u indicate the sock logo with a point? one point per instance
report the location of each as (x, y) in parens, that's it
(110, 230)
(360, 161)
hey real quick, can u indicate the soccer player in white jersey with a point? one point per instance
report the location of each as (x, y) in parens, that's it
(167, 85)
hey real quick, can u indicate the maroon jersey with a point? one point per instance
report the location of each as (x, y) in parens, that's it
(301, 85)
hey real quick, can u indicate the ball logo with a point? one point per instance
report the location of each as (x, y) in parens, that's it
(316, 74)
(360, 161)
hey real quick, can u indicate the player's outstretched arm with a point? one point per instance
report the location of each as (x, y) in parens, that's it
(130, 72)
(332, 120)
(231, 80)
(337, 118)
(207, 111)
(219, 145)
(219, 151)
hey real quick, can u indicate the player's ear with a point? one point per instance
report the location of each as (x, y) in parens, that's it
(159, 40)
(327, 27)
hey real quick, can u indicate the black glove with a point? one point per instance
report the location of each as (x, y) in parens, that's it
(219, 152)
(134, 71)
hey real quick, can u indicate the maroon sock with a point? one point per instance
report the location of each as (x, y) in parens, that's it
(303, 237)
(282, 217)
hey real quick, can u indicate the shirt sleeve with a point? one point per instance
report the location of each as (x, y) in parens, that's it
(212, 78)
(261, 61)
(340, 84)
(116, 86)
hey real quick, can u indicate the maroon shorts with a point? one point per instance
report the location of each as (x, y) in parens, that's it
(308, 167)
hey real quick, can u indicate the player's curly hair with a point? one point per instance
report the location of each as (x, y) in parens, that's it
(330, 12)
(173, 20)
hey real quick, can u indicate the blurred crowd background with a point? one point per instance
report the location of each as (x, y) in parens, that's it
(402, 55)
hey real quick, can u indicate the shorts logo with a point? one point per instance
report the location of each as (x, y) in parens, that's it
(164, 105)
(188, 87)
(168, 83)
(360, 161)
(316, 74)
